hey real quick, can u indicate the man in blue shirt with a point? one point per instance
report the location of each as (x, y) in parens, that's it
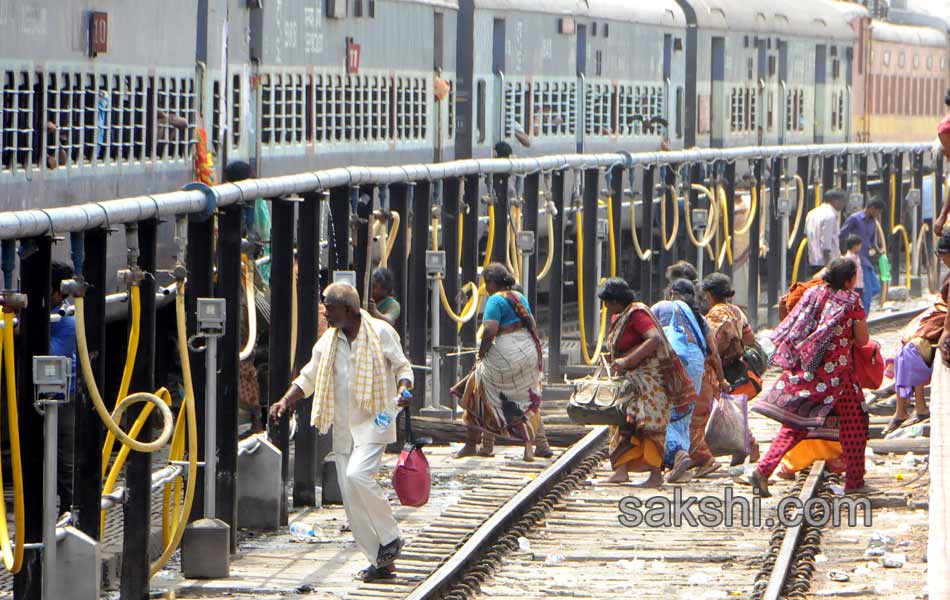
(864, 225)
(62, 342)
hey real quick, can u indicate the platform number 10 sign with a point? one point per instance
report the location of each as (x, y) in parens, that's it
(98, 33)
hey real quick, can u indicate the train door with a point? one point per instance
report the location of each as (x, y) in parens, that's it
(849, 83)
(498, 68)
(718, 111)
(762, 115)
(781, 114)
(820, 92)
(581, 85)
(677, 75)
(669, 106)
(440, 112)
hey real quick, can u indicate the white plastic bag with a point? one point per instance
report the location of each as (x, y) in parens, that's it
(727, 431)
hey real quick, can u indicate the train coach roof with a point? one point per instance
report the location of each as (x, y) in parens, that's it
(808, 18)
(910, 35)
(449, 4)
(652, 12)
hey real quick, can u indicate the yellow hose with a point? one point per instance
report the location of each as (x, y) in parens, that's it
(490, 245)
(726, 250)
(189, 408)
(753, 207)
(800, 188)
(387, 248)
(172, 494)
(921, 236)
(668, 242)
(798, 259)
(899, 228)
(251, 307)
(711, 226)
(818, 195)
(549, 259)
(644, 256)
(110, 421)
(471, 307)
(12, 557)
(588, 358)
(611, 241)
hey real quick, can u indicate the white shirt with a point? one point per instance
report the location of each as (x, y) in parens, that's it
(352, 426)
(821, 227)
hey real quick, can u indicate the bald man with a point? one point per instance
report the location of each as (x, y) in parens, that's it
(357, 374)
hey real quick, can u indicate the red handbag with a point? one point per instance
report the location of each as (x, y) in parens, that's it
(869, 365)
(411, 478)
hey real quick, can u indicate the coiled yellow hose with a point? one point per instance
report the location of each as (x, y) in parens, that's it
(800, 188)
(726, 250)
(12, 556)
(798, 259)
(711, 226)
(471, 307)
(899, 228)
(549, 259)
(668, 242)
(389, 238)
(249, 291)
(589, 358)
(644, 256)
(750, 218)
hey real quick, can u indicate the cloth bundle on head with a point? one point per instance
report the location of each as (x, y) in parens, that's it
(368, 385)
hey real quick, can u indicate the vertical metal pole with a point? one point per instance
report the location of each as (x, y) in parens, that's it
(803, 170)
(307, 461)
(532, 185)
(753, 296)
(898, 216)
(500, 250)
(434, 403)
(281, 280)
(776, 239)
(137, 511)
(616, 190)
(646, 234)
(51, 434)
(398, 259)
(448, 334)
(827, 173)
(340, 231)
(667, 256)
(863, 174)
(556, 280)
(843, 172)
(885, 194)
(418, 289)
(729, 174)
(470, 261)
(211, 416)
(229, 366)
(199, 263)
(916, 212)
(87, 490)
(33, 340)
(591, 212)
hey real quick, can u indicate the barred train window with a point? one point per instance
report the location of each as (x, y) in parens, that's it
(236, 111)
(598, 101)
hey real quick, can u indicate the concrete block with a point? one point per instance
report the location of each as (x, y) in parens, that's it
(111, 572)
(331, 486)
(205, 550)
(259, 487)
(77, 576)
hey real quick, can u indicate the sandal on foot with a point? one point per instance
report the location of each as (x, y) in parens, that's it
(372, 573)
(706, 469)
(388, 554)
(680, 468)
(894, 424)
(914, 420)
(544, 452)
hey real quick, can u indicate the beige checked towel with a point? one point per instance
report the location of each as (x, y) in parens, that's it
(369, 372)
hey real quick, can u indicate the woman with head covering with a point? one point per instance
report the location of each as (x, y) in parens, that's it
(639, 351)
(502, 394)
(817, 394)
(688, 334)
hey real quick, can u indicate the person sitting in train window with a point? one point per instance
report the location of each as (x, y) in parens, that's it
(821, 229)
(381, 304)
(864, 224)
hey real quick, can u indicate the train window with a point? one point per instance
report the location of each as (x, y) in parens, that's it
(320, 123)
(267, 109)
(930, 62)
(514, 107)
(916, 62)
(901, 59)
(236, 111)
(800, 115)
(450, 109)
(371, 9)
(308, 110)
(140, 119)
(606, 31)
(480, 110)
(598, 101)
(886, 58)
(599, 62)
(357, 8)
(770, 112)
(750, 68)
(773, 66)
(751, 98)
(300, 110)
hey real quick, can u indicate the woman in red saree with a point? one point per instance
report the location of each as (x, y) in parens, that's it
(817, 395)
(640, 352)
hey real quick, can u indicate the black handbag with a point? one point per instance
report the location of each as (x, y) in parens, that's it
(598, 399)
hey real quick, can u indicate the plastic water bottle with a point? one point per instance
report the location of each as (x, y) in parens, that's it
(305, 533)
(382, 422)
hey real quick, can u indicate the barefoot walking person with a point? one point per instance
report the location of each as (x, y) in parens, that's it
(356, 373)
(502, 394)
(639, 351)
(817, 394)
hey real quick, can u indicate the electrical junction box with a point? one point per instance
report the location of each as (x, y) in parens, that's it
(855, 202)
(211, 314)
(435, 262)
(700, 217)
(912, 198)
(348, 277)
(525, 241)
(51, 375)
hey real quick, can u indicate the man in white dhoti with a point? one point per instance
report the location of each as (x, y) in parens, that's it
(353, 375)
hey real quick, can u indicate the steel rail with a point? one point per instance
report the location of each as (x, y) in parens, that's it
(81, 217)
(787, 553)
(488, 532)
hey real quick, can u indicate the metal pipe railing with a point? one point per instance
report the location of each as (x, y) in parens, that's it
(31, 223)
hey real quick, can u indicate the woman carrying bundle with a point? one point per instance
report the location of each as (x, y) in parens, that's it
(639, 352)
